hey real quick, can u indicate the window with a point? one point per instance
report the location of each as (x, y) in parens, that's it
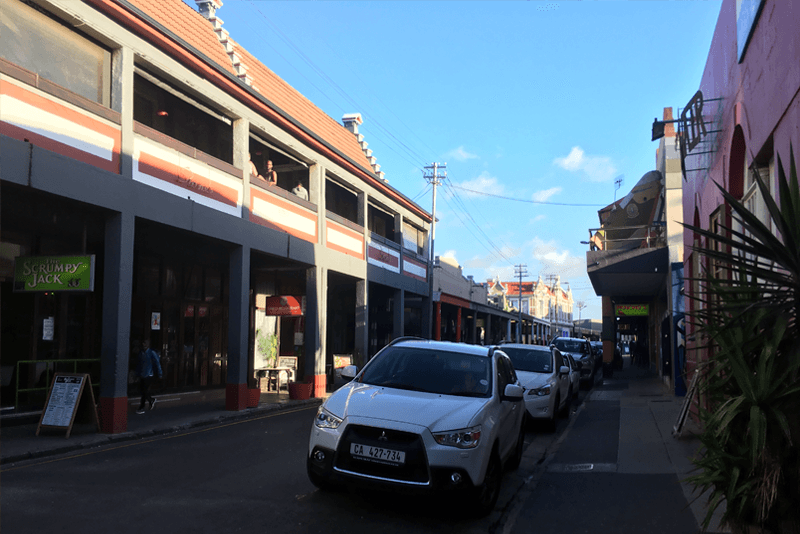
(341, 201)
(413, 238)
(379, 222)
(35, 41)
(165, 109)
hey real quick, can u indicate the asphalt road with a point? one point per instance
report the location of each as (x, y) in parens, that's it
(247, 476)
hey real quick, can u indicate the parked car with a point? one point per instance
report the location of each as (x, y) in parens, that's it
(574, 374)
(546, 378)
(423, 416)
(581, 351)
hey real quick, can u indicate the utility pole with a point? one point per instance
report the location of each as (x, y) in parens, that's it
(433, 176)
(520, 270)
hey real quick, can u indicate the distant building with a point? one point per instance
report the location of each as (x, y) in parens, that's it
(552, 304)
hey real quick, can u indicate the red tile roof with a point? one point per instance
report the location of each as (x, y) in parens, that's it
(196, 31)
(187, 24)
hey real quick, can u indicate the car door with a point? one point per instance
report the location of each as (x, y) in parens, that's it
(561, 379)
(510, 411)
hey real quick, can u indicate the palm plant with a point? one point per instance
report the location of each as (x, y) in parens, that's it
(750, 458)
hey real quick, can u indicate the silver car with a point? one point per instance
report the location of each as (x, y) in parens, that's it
(583, 354)
(545, 375)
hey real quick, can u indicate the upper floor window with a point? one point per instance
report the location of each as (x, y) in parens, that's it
(413, 238)
(341, 201)
(289, 172)
(35, 41)
(381, 223)
(158, 105)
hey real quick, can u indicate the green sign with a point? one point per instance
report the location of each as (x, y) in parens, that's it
(628, 310)
(54, 273)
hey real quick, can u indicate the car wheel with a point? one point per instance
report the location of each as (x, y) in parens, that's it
(516, 458)
(575, 391)
(486, 494)
(552, 422)
(319, 481)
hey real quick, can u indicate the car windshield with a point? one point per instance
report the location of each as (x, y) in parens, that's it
(534, 360)
(569, 345)
(431, 371)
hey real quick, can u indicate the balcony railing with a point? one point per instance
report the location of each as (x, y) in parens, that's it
(627, 237)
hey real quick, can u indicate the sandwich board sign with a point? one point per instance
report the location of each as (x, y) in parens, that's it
(64, 400)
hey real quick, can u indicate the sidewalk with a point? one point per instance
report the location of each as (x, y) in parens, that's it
(172, 413)
(617, 467)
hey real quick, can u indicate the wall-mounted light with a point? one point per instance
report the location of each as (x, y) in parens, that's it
(162, 113)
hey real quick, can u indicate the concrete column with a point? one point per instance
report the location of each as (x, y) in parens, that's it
(609, 336)
(316, 328)
(316, 194)
(238, 329)
(437, 326)
(241, 159)
(116, 328)
(122, 102)
(487, 329)
(473, 336)
(398, 233)
(363, 210)
(458, 323)
(508, 328)
(398, 315)
(361, 349)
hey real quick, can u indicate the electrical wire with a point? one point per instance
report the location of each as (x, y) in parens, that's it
(544, 202)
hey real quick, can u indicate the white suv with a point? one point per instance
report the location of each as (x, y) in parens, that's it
(425, 416)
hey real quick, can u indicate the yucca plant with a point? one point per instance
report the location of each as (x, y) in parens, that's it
(750, 381)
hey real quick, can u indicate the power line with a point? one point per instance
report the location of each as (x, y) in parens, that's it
(528, 201)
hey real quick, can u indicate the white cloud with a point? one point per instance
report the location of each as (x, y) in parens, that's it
(450, 254)
(544, 195)
(459, 154)
(596, 168)
(537, 219)
(485, 183)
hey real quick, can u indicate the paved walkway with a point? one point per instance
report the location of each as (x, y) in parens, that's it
(617, 468)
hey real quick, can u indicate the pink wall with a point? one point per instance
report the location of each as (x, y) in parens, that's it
(760, 94)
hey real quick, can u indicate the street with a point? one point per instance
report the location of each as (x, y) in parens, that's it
(250, 476)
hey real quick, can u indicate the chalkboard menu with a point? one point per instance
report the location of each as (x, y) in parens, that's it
(64, 400)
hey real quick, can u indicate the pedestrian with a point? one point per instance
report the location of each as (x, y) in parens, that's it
(149, 366)
(300, 191)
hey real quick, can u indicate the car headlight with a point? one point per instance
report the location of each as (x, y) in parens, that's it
(325, 419)
(540, 392)
(467, 438)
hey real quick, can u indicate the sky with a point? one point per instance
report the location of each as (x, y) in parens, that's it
(536, 107)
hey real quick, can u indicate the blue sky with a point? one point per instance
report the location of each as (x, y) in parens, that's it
(526, 102)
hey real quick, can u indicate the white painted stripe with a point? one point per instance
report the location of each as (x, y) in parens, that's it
(283, 217)
(156, 150)
(414, 269)
(339, 238)
(36, 120)
(385, 250)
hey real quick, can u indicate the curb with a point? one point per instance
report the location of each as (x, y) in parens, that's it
(106, 439)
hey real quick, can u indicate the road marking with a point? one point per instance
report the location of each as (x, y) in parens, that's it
(160, 438)
(582, 468)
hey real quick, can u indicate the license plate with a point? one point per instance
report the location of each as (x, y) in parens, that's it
(377, 454)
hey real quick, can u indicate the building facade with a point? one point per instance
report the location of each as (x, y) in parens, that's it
(749, 99)
(138, 139)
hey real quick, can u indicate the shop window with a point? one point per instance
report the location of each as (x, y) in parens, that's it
(149, 276)
(213, 285)
(380, 223)
(170, 281)
(37, 42)
(158, 105)
(194, 285)
(341, 201)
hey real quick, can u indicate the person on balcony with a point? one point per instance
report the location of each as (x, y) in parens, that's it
(300, 191)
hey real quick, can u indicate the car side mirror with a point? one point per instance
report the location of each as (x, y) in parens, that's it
(350, 372)
(564, 370)
(513, 392)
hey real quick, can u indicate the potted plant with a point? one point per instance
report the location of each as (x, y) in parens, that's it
(267, 345)
(751, 379)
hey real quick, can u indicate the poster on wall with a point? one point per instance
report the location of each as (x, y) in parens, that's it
(155, 321)
(54, 273)
(285, 306)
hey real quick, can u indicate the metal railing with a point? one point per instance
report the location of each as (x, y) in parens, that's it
(50, 367)
(627, 237)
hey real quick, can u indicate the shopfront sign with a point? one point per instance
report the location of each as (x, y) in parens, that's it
(285, 306)
(632, 310)
(54, 273)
